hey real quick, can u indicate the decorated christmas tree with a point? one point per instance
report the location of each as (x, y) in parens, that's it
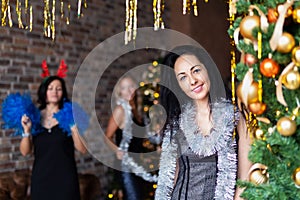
(266, 34)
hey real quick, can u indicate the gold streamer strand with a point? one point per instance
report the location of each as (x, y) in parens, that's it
(69, 13)
(26, 7)
(4, 7)
(259, 45)
(46, 22)
(194, 4)
(186, 7)
(259, 52)
(53, 20)
(10, 22)
(134, 20)
(187, 4)
(232, 64)
(26, 2)
(19, 13)
(127, 21)
(30, 19)
(158, 8)
(79, 8)
(131, 21)
(62, 10)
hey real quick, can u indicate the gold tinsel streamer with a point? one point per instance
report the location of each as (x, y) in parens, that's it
(30, 19)
(131, 21)
(46, 18)
(158, 9)
(53, 20)
(62, 13)
(79, 8)
(19, 13)
(24, 13)
(232, 62)
(5, 9)
(69, 13)
(187, 4)
(259, 52)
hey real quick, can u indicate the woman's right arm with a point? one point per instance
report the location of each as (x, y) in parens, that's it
(115, 121)
(26, 144)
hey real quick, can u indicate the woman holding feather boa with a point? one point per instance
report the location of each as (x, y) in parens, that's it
(52, 134)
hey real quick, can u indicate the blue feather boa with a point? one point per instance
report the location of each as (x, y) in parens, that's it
(16, 105)
(72, 114)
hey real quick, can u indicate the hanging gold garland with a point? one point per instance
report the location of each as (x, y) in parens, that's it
(24, 9)
(187, 4)
(131, 20)
(158, 9)
(5, 9)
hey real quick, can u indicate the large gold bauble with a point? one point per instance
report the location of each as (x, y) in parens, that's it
(296, 176)
(247, 25)
(291, 80)
(286, 43)
(258, 176)
(296, 55)
(286, 126)
(257, 108)
(253, 93)
(296, 15)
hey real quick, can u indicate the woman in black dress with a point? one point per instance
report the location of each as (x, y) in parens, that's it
(54, 172)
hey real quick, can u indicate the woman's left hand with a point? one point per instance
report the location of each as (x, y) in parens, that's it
(120, 154)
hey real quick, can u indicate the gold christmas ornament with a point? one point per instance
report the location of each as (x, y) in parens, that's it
(291, 80)
(286, 126)
(257, 108)
(259, 134)
(285, 43)
(253, 93)
(248, 24)
(296, 55)
(296, 15)
(258, 174)
(269, 68)
(296, 177)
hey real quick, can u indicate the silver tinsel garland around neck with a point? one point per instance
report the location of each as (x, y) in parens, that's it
(128, 163)
(220, 141)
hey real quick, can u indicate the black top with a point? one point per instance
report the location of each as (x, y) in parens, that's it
(54, 173)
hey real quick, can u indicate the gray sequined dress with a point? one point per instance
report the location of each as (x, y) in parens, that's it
(188, 185)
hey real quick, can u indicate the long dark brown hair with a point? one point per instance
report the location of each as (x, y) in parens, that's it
(42, 92)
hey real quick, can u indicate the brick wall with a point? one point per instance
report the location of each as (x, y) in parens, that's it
(22, 52)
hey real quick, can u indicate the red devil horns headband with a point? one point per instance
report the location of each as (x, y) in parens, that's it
(61, 71)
